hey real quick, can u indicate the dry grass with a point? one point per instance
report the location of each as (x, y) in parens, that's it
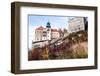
(74, 46)
(80, 51)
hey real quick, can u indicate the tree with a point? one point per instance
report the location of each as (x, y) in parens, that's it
(86, 23)
(65, 32)
(61, 32)
(45, 53)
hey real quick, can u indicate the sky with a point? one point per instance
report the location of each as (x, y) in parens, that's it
(35, 21)
(55, 21)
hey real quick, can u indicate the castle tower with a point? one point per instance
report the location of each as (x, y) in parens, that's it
(48, 29)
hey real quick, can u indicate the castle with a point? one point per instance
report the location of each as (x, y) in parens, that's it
(46, 33)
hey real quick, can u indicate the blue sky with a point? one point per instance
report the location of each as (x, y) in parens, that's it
(55, 21)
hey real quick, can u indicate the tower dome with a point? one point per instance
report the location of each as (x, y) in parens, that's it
(48, 25)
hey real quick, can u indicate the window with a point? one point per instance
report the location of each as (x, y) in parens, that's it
(48, 29)
(44, 33)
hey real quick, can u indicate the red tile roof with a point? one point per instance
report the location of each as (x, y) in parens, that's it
(40, 28)
(54, 30)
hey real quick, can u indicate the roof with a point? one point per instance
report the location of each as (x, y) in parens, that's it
(40, 28)
(54, 30)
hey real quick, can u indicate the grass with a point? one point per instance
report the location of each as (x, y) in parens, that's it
(79, 52)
